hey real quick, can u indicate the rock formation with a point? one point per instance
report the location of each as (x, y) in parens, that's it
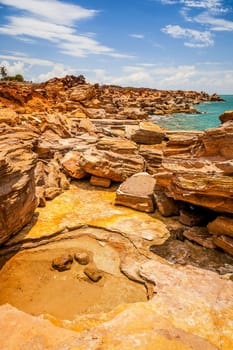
(74, 149)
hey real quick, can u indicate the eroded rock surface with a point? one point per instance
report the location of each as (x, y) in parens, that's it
(17, 195)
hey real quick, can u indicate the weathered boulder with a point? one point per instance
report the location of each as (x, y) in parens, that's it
(148, 133)
(70, 163)
(86, 125)
(153, 154)
(82, 92)
(182, 142)
(115, 166)
(226, 116)
(133, 113)
(117, 145)
(217, 142)
(137, 192)
(17, 195)
(222, 225)
(100, 181)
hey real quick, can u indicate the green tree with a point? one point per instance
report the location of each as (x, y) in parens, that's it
(3, 72)
(18, 77)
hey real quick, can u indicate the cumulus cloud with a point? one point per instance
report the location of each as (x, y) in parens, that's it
(13, 68)
(195, 38)
(204, 13)
(59, 70)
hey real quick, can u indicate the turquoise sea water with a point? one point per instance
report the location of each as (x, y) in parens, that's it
(208, 118)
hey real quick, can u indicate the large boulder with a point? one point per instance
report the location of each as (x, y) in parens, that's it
(226, 116)
(70, 163)
(112, 158)
(137, 192)
(218, 142)
(111, 165)
(148, 134)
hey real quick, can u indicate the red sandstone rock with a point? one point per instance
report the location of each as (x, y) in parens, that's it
(226, 116)
(111, 165)
(148, 133)
(218, 142)
(222, 225)
(224, 242)
(17, 196)
(70, 163)
(100, 181)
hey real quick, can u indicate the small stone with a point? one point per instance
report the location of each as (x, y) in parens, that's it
(63, 262)
(100, 181)
(166, 206)
(192, 217)
(93, 273)
(82, 258)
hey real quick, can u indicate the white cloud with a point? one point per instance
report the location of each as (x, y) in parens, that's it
(59, 70)
(216, 24)
(14, 68)
(216, 6)
(27, 60)
(195, 38)
(52, 10)
(137, 36)
(54, 22)
(201, 77)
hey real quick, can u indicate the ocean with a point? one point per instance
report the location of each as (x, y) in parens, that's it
(208, 118)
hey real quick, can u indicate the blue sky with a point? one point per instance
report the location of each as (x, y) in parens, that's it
(163, 44)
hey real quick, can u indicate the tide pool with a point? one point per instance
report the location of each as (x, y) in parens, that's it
(208, 118)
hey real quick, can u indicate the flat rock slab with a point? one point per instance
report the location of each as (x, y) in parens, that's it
(148, 133)
(137, 192)
(201, 236)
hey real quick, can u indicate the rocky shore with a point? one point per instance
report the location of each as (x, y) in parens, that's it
(135, 219)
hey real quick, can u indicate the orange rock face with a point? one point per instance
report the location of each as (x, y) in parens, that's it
(17, 194)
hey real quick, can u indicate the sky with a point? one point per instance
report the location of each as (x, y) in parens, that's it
(162, 44)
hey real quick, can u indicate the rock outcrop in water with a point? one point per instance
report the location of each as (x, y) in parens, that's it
(64, 130)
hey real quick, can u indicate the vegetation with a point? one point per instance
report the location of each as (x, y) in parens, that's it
(6, 77)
